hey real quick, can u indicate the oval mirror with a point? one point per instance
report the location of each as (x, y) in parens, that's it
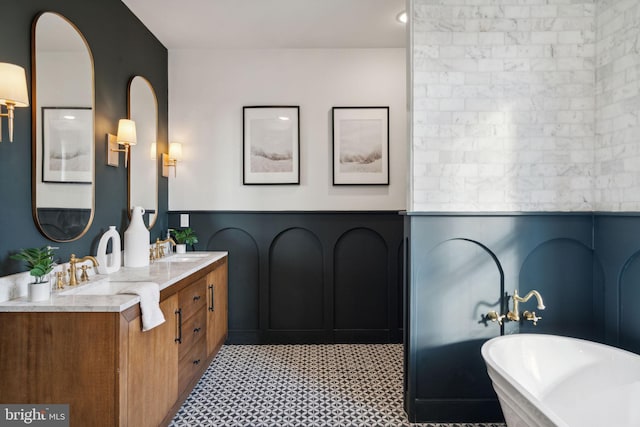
(143, 167)
(62, 151)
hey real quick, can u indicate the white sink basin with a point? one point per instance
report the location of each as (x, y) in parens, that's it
(98, 288)
(188, 257)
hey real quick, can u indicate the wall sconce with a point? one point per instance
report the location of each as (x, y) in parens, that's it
(126, 137)
(13, 93)
(171, 159)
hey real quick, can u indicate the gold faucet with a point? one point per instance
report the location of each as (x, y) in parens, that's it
(159, 248)
(515, 314)
(73, 279)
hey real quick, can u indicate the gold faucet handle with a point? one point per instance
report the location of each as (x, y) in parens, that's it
(152, 254)
(494, 317)
(531, 316)
(84, 276)
(60, 282)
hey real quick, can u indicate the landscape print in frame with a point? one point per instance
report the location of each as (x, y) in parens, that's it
(271, 145)
(67, 144)
(360, 145)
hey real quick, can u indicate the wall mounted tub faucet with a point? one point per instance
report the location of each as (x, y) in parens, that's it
(514, 315)
(531, 316)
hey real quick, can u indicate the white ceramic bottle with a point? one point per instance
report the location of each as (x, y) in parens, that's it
(136, 241)
(109, 264)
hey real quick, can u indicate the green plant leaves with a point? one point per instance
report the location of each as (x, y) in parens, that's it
(39, 261)
(186, 236)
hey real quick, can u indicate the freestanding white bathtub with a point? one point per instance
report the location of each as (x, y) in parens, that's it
(548, 380)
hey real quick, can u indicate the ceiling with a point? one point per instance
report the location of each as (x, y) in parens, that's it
(257, 24)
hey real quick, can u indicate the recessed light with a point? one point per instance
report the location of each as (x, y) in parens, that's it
(69, 117)
(402, 17)
(285, 118)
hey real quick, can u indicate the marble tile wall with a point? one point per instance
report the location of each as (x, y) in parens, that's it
(503, 105)
(617, 159)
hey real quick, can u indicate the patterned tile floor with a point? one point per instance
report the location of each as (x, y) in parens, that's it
(301, 385)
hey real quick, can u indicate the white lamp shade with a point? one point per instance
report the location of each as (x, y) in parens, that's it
(175, 151)
(126, 132)
(13, 85)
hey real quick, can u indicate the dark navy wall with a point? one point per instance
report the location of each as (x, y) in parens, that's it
(313, 277)
(617, 243)
(461, 267)
(121, 47)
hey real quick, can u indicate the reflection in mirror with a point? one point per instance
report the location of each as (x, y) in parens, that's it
(143, 169)
(62, 149)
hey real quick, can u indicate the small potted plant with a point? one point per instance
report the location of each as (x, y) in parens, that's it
(183, 238)
(40, 263)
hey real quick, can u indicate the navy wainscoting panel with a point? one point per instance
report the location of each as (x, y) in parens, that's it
(462, 266)
(243, 262)
(568, 284)
(617, 245)
(465, 282)
(296, 304)
(308, 277)
(629, 314)
(361, 280)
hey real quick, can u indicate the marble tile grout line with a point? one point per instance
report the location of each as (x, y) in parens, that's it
(301, 385)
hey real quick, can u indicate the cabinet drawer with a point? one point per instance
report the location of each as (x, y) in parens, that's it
(191, 363)
(192, 329)
(193, 298)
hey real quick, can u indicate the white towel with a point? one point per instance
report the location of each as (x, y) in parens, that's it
(149, 293)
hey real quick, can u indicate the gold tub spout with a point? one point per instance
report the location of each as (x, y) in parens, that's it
(515, 314)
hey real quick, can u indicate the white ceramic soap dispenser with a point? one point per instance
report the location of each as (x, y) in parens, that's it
(136, 241)
(109, 264)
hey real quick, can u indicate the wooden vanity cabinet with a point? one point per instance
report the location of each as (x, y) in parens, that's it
(152, 368)
(104, 366)
(192, 345)
(217, 309)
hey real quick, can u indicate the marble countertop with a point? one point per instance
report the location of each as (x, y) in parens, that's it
(87, 297)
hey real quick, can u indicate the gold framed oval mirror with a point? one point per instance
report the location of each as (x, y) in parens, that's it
(63, 136)
(143, 165)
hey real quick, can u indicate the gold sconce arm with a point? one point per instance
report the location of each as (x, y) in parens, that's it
(171, 160)
(9, 115)
(125, 137)
(167, 163)
(124, 150)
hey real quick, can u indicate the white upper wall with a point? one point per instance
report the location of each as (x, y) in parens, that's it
(503, 105)
(618, 106)
(208, 88)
